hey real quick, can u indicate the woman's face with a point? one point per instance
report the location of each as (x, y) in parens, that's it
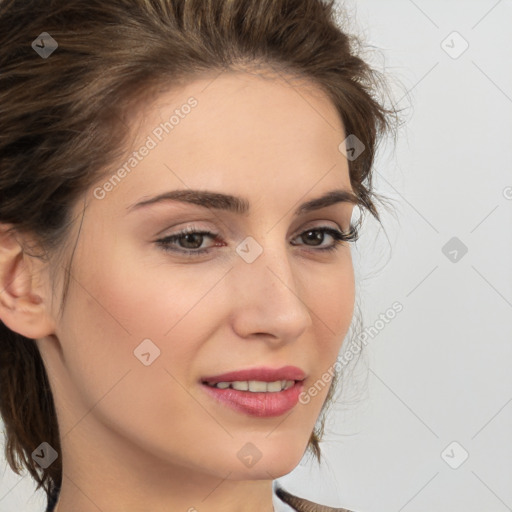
(144, 325)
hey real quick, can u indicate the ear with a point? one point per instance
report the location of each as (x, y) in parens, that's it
(23, 298)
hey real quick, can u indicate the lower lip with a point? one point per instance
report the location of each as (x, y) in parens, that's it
(263, 405)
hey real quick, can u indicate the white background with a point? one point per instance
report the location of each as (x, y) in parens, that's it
(439, 372)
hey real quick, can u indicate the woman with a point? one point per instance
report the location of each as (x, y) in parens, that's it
(177, 183)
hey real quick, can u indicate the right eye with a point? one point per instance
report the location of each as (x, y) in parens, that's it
(190, 235)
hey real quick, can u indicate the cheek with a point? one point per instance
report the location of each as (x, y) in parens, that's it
(332, 304)
(126, 301)
(142, 298)
(106, 320)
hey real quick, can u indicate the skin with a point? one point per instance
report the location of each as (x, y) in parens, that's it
(136, 437)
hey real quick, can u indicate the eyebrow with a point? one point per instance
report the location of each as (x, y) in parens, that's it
(240, 205)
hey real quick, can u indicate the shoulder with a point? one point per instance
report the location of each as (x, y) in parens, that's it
(303, 505)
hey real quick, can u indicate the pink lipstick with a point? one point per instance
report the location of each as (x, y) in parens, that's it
(262, 392)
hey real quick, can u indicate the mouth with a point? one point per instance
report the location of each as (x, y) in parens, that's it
(254, 386)
(261, 392)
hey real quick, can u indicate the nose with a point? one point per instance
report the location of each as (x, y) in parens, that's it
(267, 296)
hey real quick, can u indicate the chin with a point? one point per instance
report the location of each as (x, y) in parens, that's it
(266, 459)
(263, 471)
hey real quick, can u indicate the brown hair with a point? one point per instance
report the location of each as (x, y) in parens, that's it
(64, 121)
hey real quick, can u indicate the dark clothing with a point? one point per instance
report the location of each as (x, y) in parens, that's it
(303, 505)
(53, 500)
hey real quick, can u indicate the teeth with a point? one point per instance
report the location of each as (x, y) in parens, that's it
(259, 386)
(273, 386)
(241, 385)
(256, 386)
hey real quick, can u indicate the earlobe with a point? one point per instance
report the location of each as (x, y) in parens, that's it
(22, 309)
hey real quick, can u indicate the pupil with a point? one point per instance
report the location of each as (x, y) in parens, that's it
(316, 237)
(194, 246)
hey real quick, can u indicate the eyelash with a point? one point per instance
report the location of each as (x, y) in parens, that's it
(339, 238)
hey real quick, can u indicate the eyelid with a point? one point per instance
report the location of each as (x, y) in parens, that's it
(234, 231)
(325, 224)
(192, 228)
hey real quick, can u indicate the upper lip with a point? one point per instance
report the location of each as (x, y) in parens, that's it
(262, 373)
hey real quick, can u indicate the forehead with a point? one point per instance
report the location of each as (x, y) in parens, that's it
(245, 109)
(234, 131)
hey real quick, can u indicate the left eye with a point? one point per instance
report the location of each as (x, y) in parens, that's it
(193, 239)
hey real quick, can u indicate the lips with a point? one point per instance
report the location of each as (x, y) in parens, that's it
(263, 374)
(249, 401)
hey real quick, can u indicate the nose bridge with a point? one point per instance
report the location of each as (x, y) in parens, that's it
(267, 262)
(266, 289)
